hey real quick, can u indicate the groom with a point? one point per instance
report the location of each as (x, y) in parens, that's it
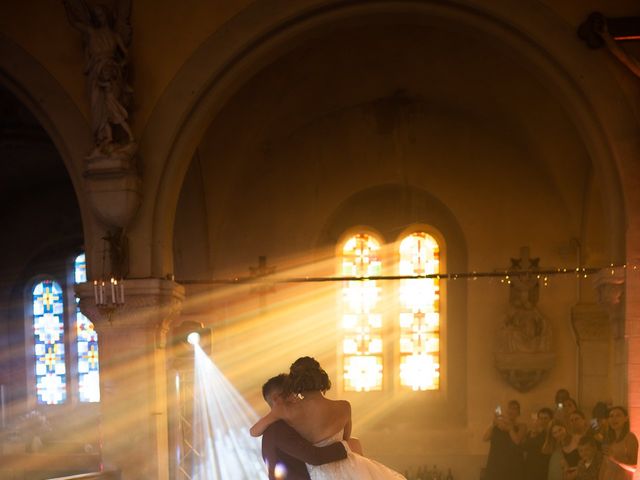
(283, 449)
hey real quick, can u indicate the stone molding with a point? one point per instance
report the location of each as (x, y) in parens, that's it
(150, 303)
(114, 188)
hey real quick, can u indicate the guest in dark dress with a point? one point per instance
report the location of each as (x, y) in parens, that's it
(505, 433)
(536, 463)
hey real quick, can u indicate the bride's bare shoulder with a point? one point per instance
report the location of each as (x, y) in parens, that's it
(342, 405)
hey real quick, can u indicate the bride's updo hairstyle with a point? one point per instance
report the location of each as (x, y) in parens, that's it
(306, 375)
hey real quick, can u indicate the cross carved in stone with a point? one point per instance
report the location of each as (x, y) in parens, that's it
(525, 262)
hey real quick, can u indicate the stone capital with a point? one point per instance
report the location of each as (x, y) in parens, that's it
(149, 304)
(609, 283)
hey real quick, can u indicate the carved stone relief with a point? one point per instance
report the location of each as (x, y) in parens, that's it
(523, 342)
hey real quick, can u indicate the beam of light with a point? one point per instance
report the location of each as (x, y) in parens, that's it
(221, 421)
(258, 335)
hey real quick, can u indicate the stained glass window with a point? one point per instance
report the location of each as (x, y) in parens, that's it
(420, 313)
(362, 319)
(87, 343)
(48, 331)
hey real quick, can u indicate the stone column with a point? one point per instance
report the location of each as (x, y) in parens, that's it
(632, 331)
(610, 284)
(133, 375)
(593, 330)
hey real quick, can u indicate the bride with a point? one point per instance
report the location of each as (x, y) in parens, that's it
(321, 421)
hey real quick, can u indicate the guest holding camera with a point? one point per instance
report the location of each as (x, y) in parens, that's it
(506, 434)
(621, 449)
(559, 400)
(599, 429)
(536, 463)
(565, 409)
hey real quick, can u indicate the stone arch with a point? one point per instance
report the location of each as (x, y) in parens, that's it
(262, 31)
(39, 92)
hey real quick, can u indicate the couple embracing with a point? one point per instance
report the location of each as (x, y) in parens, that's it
(308, 436)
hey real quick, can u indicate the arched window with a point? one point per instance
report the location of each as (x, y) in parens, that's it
(65, 343)
(49, 350)
(86, 343)
(362, 351)
(419, 254)
(413, 303)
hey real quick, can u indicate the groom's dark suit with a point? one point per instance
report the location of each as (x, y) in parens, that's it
(282, 444)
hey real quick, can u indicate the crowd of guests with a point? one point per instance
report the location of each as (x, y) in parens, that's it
(561, 444)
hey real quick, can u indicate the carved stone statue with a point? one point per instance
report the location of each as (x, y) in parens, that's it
(107, 35)
(523, 347)
(525, 329)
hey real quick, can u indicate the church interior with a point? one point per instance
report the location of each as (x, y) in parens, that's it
(437, 200)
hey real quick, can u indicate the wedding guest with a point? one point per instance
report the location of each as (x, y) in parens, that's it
(536, 463)
(621, 449)
(565, 409)
(570, 406)
(578, 423)
(561, 396)
(599, 428)
(563, 448)
(590, 465)
(505, 433)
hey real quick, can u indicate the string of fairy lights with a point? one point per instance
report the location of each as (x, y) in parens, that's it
(505, 276)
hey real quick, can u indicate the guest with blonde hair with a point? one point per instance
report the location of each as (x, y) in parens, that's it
(563, 448)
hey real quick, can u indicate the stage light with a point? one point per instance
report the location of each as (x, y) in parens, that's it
(193, 338)
(188, 334)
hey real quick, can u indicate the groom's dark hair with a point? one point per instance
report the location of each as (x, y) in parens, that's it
(274, 383)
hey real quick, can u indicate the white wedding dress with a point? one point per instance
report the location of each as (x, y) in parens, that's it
(354, 467)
